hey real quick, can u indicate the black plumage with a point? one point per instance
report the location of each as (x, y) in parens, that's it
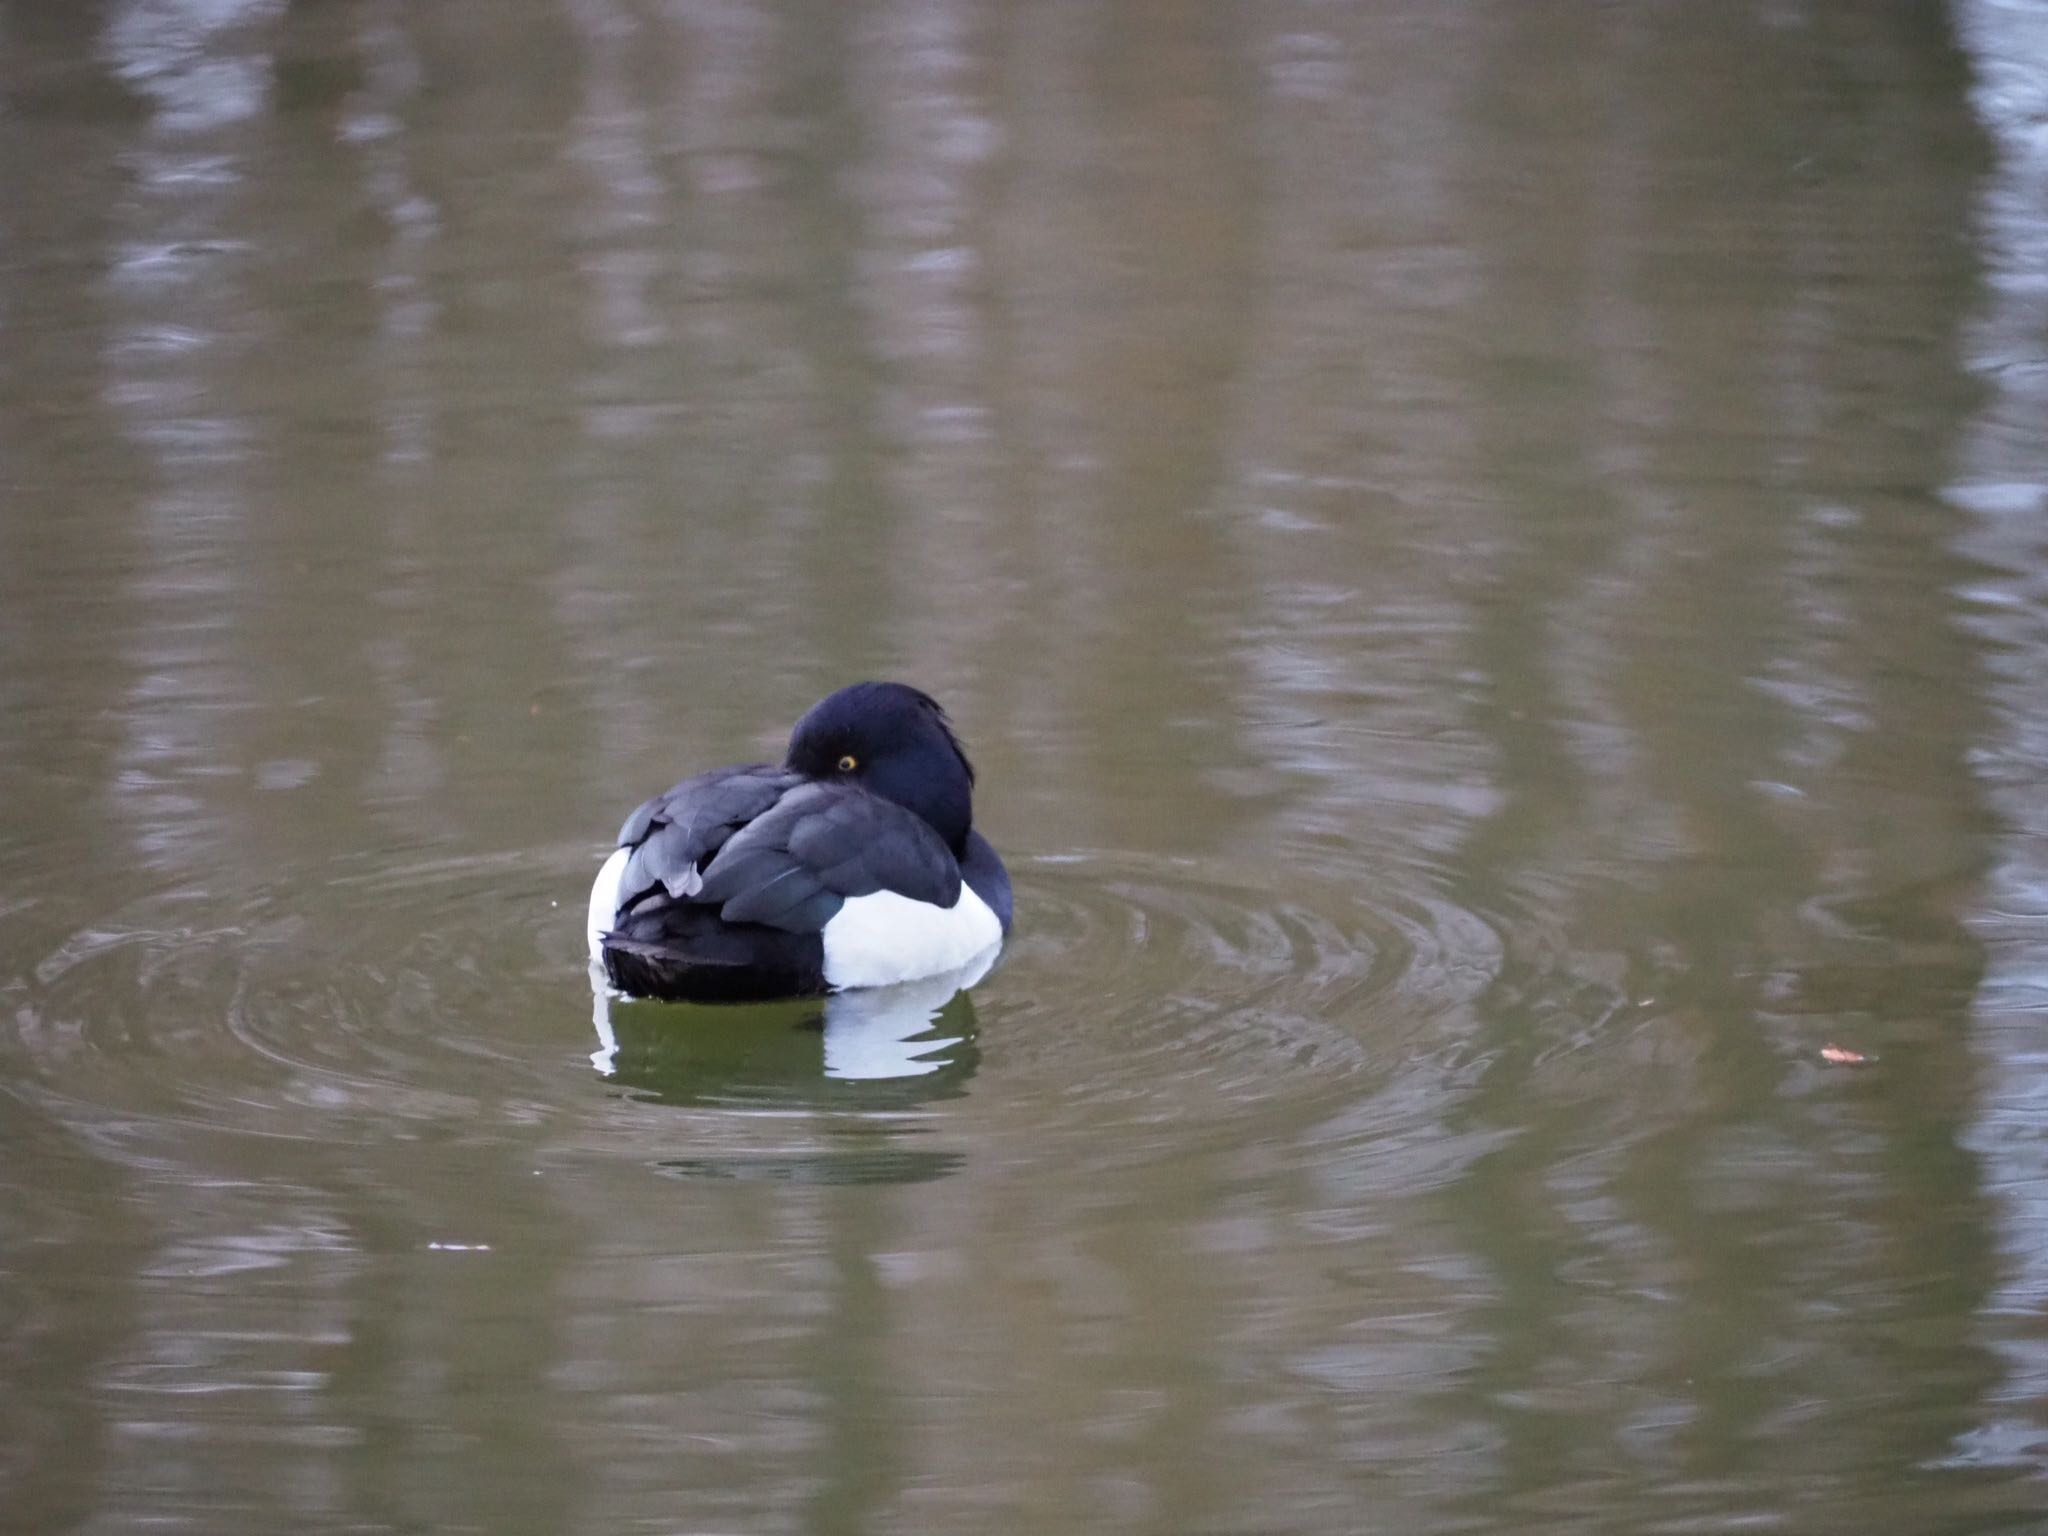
(792, 866)
(675, 833)
(683, 951)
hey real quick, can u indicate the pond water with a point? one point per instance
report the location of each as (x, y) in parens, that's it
(1493, 560)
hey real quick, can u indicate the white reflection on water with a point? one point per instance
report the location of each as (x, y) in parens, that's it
(168, 49)
(872, 1034)
(2003, 484)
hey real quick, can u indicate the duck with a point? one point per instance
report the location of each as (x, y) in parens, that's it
(854, 863)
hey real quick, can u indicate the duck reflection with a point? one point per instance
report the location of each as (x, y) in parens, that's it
(873, 1048)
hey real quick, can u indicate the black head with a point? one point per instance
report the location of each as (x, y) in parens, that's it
(894, 742)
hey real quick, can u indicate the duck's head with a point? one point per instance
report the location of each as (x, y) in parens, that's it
(895, 742)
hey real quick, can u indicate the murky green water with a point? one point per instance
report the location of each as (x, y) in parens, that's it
(1493, 559)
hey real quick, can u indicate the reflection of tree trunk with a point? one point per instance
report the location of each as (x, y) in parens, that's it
(1729, 589)
(1110, 328)
(1546, 239)
(849, 550)
(2003, 487)
(56, 407)
(453, 1348)
(1178, 222)
(861, 1471)
(70, 1247)
(67, 1312)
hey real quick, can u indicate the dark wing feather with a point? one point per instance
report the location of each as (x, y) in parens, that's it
(792, 866)
(677, 949)
(674, 835)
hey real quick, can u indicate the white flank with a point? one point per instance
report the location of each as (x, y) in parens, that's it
(604, 899)
(879, 940)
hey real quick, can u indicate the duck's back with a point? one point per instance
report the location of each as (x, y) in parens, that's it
(757, 882)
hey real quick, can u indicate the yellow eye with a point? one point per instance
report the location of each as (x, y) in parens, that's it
(848, 763)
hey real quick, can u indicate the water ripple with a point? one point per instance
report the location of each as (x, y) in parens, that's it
(405, 993)
(1168, 992)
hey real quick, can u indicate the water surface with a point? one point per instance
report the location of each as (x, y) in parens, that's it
(1491, 559)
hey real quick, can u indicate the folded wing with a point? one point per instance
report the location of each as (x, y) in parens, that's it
(764, 845)
(793, 866)
(676, 834)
